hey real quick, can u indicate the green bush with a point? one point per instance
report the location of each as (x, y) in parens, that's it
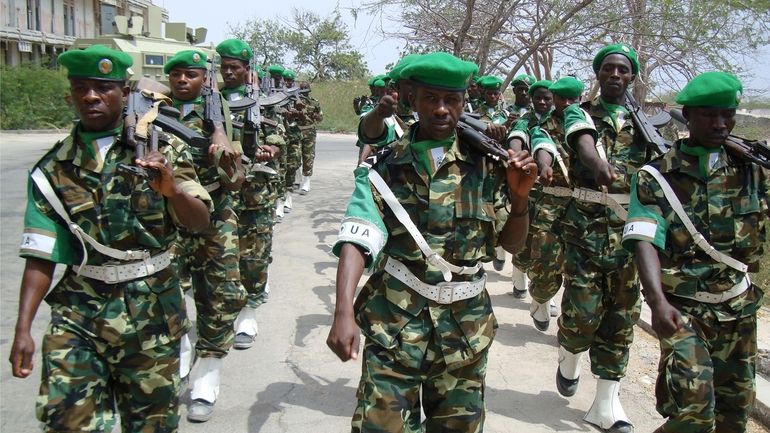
(32, 97)
(336, 98)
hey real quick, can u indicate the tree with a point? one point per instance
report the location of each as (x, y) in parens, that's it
(266, 37)
(322, 47)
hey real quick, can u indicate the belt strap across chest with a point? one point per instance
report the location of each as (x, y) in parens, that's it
(444, 293)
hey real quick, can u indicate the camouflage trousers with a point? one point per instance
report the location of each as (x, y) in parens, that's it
(542, 255)
(600, 306)
(84, 375)
(389, 393)
(256, 218)
(706, 372)
(293, 159)
(308, 151)
(211, 259)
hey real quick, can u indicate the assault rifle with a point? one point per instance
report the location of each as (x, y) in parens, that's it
(755, 151)
(141, 116)
(647, 131)
(471, 131)
(214, 123)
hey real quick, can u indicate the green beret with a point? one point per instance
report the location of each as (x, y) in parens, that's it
(540, 84)
(275, 69)
(711, 89)
(96, 62)
(617, 49)
(525, 79)
(567, 87)
(378, 83)
(235, 49)
(186, 59)
(260, 72)
(289, 74)
(395, 72)
(490, 82)
(440, 70)
(370, 81)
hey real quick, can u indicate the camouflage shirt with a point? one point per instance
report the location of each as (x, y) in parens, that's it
(727, 201)
(118, 210)
(524, 124)
(489, 114)
(595, 227)
(454, 210)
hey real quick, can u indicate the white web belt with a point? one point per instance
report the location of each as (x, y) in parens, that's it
(443, 293)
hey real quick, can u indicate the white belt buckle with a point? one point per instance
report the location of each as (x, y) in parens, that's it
(111, 274)
(442, 287)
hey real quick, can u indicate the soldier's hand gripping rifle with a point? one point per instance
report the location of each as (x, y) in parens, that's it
(471, 132)
(648, 132)
(755, 151)
(224, 157)
(143, 112)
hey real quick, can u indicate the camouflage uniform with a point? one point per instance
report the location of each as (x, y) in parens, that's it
(516, 111)
(707, 369)
(414, 343)
(497, 114)
(211, 257)
(601, 291)
(293, 153)
(108, 343)
(255, 207)
(312, 115)
(280, 184)
(541, 257)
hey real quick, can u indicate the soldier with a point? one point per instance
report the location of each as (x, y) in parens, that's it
(521, 102)
(491, 110)
(293, 142)
(117, 313)
(312, 116)
(423, 343)
(601, 293)
(211, 257)
(255, 204)
(474, 96)
(543, 255)
(693, 257)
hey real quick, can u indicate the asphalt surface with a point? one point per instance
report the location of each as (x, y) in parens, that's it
(289, 381)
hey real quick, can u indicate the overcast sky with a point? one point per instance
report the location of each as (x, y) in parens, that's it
(364, 32)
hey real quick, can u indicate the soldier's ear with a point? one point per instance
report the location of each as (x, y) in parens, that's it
(633, 77)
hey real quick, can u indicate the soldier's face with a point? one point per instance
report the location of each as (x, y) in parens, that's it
(491, 96)
(521, 93)
(439, 111)
(615, 74)
(289, 82)
(234, 72)
(473, 91)
(560, 103)
(186, 83)
(709, 126)
(542, 100)
(98, 103)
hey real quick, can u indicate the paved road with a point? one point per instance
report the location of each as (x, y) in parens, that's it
(289, 381)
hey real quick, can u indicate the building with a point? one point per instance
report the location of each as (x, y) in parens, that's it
(31, 30)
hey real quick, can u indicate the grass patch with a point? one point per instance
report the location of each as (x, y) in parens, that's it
(336, 98)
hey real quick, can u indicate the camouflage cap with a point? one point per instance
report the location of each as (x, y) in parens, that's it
(440, 70)
(623, 49)
(289, 74)
(490, 82)
(235, 49)
(97, 62)
(525, 79)
(540, 84)
(275, 69)
(189, 59)
(712, 89)
(567, 87)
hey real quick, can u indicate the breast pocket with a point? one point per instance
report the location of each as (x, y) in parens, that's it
(474, 230)
(746, 215)
(148, 216)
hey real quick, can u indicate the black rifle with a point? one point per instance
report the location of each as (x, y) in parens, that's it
(213, 113)
(755, 151)
(471, 131)
(137, 106)
(644, 127)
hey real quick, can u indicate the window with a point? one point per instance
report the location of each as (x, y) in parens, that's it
(69, 18)
(153, 59)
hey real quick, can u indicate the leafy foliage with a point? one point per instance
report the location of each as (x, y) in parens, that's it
(33, 97)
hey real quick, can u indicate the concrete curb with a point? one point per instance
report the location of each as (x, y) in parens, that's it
(761, 410)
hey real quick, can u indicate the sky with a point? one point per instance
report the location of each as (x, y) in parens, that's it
(377, 51)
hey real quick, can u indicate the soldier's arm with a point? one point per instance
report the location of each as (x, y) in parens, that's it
(373, 123)
(35, 282)
(344, 335)
(666, 319)
(586, 150)
(520, 176)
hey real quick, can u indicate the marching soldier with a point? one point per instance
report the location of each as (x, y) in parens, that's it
(521, 102)
(435, 355)
(211, 257)
(697, 222)
(474, 96)
(117, 314)
(601, 303)
(491, 109)
(293, 143)
(311, 117)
